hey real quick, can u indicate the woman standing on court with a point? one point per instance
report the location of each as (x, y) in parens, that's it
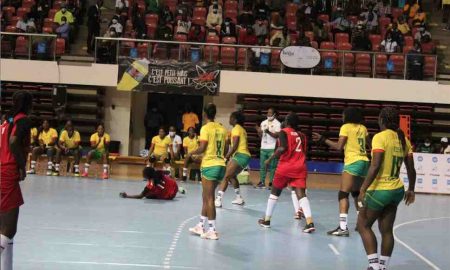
(382, 190)
(352, 139)
(14, 147)
(212, 146)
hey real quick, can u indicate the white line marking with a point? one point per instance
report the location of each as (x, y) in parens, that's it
(110, 264)
(93, 245)
(87, 230)
(175, 239)
(334, 249)
(420, 256)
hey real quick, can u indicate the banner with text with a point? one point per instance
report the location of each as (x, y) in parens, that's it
(169, 76)
(433, 173)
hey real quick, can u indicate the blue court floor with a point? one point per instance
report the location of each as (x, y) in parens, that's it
(68, 223)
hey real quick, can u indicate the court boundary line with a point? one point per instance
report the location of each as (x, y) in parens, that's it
(334, 249)
(413, 251)
(141, 265)
(168, 257)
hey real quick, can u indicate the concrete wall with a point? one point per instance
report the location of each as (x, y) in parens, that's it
(117, 117)
(138, 109)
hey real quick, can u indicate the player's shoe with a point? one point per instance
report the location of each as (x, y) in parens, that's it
(299, 214)
(182, 190)
(264, 223)
(32, 171)
(85, 174)
(49, 173)
(197, 230)
(339, 232)
(260, 185)
(123, 195)
(210, 235)
(238, 201)
(105, 176)
(309, 228)
(218, 202)
(55, 173)
(76, 174)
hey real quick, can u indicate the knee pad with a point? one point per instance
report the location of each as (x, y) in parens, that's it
(343, 195)
(167, 160)
(355, 194)
(152, 159)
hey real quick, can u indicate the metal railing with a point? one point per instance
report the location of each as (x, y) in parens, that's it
(10, 39)
(118, 48)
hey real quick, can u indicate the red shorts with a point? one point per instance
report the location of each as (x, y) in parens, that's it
(281, 181)
(10, 193)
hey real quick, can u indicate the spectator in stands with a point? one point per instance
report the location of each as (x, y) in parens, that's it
(445, 147)
(303, 40)
(320, 33)
(228, 28)
(370, 18)
(309, 10)
(215, 5)
(183, 25)
(164, 32)
(94, 19)
(152, 121)
(139, 26)
(100, 151)
(261, 10)
(282, 36)
(403, 26)
(47, 141)
(389, 45)
(340, 24)
(200, 3)
(420, 17)
(410, 9)
(107, 49)
(261, 30)
(249, 37)
(63, 30)
(261, 57)
(214, 18)
(422, 36)
(383, 8)
(397, 36)
(63, 12)
(337, 13)
(303, 22)
(353, 8)
(166, 15)
(246, 18)
(116, 25)
(278, 6)
(360, 39)
(426, 147)
(152, 6)
(26, 25)
(196, 34)
(122, 6)
(415, 62)
(68, 145)
(184, 8)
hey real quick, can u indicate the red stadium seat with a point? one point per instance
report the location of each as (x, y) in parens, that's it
(396, 12)
(242, 58)
(172, 4)
(22, 11)
(324, 17)
(143, 50)
(60, 46)
(212, 39)
(427, 47)
(48, 22)
(199, 12)
(375, 40)
(384, 22)
(9, 12)
(151, 19)
(341, 38)
(275, 61)
(327, 45)
(349, 58)
(326, 56)
(128, 26)
(228, 56)
(232, 14)
(380, 64)
(13, 21)
(151, 30)
(291, 24)
(51, 13)
(409, 41)
(309, 34)
(294, 36)
(399, 64)
(407, 49)
(241, 33)
(47, 30)
(291, 8)
(6, 47)
(21, 46)
(11, 29)
(28, 3)
(229, 40)
(231, 4)
(211, 54)
(57, 5)
(199, 20)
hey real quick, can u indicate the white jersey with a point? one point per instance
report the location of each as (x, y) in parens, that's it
(268, 142)
(176, 142)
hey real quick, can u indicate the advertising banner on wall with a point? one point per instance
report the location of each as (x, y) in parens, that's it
(433, 173)
(169, 76)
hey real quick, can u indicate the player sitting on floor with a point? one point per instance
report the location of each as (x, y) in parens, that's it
(47, 141)
(158, 151)
(68, 145)
(159, 186)
(99, 143)
(190, 144)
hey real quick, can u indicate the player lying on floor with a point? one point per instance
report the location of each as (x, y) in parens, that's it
(159, 186)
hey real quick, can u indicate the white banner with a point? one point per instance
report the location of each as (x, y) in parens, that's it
(433, 173)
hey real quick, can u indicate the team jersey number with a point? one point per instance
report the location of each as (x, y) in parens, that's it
(362, 145)
(396, 164)
(298, 141)
(219, 148)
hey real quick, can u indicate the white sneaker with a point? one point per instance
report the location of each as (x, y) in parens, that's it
(32, 171)
(49, 173)
(210, 235)
(218, 202)
(238, 200)
(197, 230)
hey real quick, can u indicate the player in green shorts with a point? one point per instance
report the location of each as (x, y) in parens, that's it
(352, 139)
(212, 146)
(238, 159)
(382, 190)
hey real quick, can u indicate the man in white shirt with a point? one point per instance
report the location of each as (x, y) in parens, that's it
(25, 24)
(389, 45)
(445, 148)
(176, 143)
(268, 132)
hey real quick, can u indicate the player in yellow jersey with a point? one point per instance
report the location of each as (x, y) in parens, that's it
(190, 144)
(158, 151)
(383, 190)
(69, 145)
(47, 145)
(100, 151)
(353, 137)
(238, 159)
(212, 145)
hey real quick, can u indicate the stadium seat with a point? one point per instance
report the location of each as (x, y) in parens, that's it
(407, 49)
(363, 64)
(242, 58)
(22, 11)
(409, 41)
(21, 46)
(341, 38)
(60, 46)
(13, 21)
(326, 57)
(399, 64)
(151, 30)
(6, 47)
(151, 19)
(172, 4)
(326, 45)
(427, 47)
(396, 12)
(275, 59)
(232, 14)
(292, 24)
(324, 17)
(228, 56)
(47, 30)
(291, 8)
(143, 50)
(211, 54)
(57, 5)
(380, 64)
(28, 3)
(199, 20)
(9, 12)
(294, 36)
(48, 22)
(375, 40)
(199, 12)
(11, 29)
(383, 23)
(349, 58)
(51, 13)
(229, 40)
(212, 39)
(429, 66)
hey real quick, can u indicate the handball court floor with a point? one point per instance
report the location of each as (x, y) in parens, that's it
(69, 223)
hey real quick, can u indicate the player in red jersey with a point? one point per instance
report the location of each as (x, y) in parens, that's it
(14, 146)
(291, 170)
(159, 186)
